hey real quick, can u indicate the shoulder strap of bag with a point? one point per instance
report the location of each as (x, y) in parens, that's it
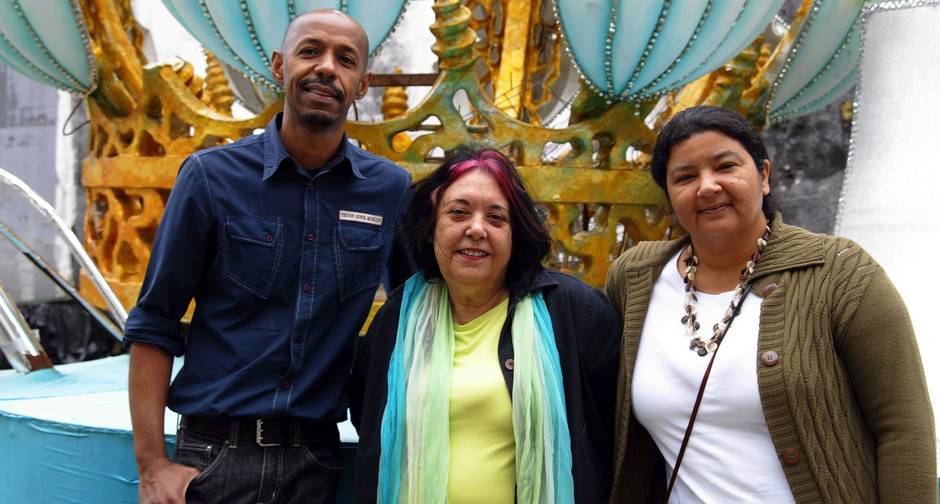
(698, 398)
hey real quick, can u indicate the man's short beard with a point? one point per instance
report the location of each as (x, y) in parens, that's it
(318, 119)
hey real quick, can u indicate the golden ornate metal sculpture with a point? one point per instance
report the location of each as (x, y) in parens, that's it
(592, 176)
(519, 70)
(144, 123)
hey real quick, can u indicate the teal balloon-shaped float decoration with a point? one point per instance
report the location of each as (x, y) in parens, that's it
(822, 64)
(48, 42)
(243, 34)
(636, 49)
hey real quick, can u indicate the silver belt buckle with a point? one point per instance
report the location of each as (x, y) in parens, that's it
(259, 432)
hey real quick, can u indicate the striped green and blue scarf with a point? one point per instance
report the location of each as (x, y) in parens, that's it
(414, 463)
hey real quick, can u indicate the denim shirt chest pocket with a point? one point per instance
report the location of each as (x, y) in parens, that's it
(357, 250)
(251, 252)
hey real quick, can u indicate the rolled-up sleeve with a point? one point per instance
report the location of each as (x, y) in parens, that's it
(178, 262)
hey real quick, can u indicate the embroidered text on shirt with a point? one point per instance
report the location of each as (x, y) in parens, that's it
(349, 215)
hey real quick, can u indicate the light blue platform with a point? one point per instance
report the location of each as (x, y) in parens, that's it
(65, 436)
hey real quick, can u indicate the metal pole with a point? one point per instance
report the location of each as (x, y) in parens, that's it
(63, 284)
(75, 246)
(18, 342)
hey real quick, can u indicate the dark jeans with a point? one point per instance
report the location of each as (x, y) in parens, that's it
(238, 471)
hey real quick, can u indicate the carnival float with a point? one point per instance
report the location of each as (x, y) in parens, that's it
(65, 430)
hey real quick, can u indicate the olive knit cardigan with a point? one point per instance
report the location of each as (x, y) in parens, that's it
(845, 400)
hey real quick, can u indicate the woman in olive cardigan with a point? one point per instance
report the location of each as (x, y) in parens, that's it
(846, 414)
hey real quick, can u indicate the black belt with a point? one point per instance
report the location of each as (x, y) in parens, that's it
(264, 431)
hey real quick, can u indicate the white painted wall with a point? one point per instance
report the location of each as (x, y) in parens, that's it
(28, 149)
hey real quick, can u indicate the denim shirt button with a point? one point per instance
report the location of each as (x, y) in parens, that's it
(309, 237)
(269, 238)
(307, 287)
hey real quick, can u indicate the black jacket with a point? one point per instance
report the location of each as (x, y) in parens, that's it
(587, 333)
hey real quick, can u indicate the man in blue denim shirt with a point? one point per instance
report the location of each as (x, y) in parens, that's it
(282, 239)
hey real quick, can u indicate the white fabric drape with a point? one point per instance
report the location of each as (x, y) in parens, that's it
(891, 194)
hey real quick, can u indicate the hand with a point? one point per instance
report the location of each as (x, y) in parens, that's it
(163, 482)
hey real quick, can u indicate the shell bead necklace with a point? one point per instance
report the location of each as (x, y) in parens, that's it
(689, 318)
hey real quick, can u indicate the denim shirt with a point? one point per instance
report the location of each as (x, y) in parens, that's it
(283, 263)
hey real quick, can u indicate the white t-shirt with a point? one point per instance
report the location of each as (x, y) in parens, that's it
(730, 457)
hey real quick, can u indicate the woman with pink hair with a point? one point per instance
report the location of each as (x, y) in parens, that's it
(486, 377)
